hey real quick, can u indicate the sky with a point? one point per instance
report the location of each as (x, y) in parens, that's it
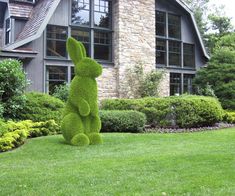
(229, 7)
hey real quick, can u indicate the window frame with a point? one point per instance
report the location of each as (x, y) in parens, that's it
(182, 84)
(8, 31)
(59, 40)
(91, 28)
(48, 80)
(180, 26)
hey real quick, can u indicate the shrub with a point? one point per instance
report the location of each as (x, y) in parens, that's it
(15, 133)
(61, 92)
(122, 121)
(12, 86)
(177, 111)
(229, 117)
(42, 107)
(140, 84)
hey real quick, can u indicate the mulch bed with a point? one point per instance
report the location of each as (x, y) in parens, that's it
(217, 126)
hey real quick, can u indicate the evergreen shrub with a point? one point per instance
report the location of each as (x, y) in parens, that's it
(12, 86)
(42, 107)
(185, 111)
(122, 121)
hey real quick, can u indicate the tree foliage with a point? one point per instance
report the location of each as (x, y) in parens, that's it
(220, 72)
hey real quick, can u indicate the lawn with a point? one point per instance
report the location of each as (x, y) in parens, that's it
(126, 164)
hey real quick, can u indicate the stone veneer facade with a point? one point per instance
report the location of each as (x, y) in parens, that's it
(133, 42)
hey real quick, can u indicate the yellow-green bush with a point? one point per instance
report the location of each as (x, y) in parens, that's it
(229, 117)
(81, 123)
(15, 133)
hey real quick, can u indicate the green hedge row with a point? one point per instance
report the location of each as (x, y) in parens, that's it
(176, 111)
(122, 121)
(14, 134)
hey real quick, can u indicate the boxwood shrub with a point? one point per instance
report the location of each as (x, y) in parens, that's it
(122, 121)
(184, 111)
(42, 107)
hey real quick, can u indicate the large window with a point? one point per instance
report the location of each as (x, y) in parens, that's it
(91, 24)
(56, 41)
(169, 44)
(189, 55)
(7, 31)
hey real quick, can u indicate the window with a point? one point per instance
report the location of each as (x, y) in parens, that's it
(7, 31)
(175, 83)
(160, 23)
(55, 76)
(102, 14)
(56, 41)
(102, 46)
(81, 12)
(174, 26)
(188, 83)
(161, 52)
(189, 55)
(91, 24)
(168, 39)
(175, 53)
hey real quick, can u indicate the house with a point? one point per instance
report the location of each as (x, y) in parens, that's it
(161, 34)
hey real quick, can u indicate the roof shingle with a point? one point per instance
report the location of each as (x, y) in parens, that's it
(20, 10)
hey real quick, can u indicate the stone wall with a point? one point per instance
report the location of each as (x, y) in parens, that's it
(107, 83)
(164, 86)
(134, 37)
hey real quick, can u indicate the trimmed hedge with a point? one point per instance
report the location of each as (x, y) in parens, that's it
(42, 107)
(186, 111)
(122, 121)
(14, 134)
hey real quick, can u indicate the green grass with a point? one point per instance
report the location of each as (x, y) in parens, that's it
(126, 164)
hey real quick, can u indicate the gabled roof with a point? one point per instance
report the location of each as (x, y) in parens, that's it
(20, 10)
(190, 12)
(36, 24)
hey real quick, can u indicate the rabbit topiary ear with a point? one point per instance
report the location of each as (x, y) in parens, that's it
(75, 50)
(83, 49)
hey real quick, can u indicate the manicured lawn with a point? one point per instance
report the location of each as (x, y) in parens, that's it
(126, 164)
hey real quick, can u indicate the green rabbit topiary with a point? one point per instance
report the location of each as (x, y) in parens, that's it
(81, 122)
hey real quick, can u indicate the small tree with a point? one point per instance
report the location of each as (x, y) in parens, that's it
(220, 72)
(12, 86)
(141, 84)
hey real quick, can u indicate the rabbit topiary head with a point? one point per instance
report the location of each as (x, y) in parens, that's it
(84, 66)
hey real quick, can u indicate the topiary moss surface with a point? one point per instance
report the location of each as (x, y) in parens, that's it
(81, 122)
